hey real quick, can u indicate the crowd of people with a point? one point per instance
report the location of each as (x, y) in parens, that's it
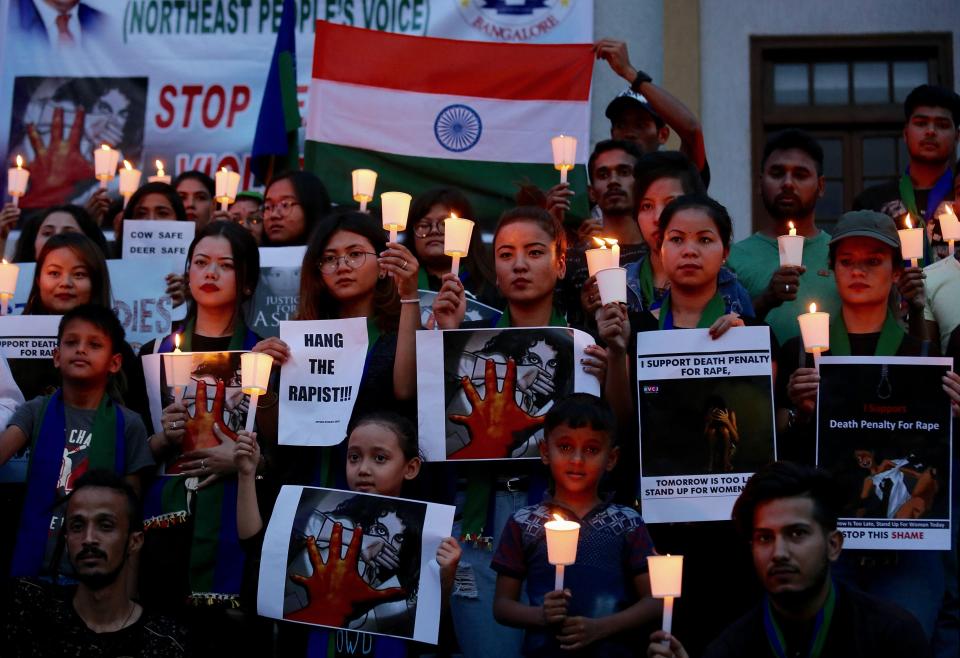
(108, 558)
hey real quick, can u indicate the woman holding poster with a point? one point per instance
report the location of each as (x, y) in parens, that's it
(867, 262)
(188, 530)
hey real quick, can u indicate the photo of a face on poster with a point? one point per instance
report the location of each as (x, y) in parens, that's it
(216, 404)
(278, 290)
(354, 561)
(884, 432)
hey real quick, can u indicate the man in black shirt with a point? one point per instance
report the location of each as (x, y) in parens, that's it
(102, 531)
(788, 513)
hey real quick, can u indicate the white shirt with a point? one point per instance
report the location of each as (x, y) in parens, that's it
(49, 16)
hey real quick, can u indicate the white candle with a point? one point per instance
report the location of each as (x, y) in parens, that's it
(564, 154)
(395, 207)
(227, 183)
(456, 239)
(8, 283)
(601, 257)
(364, 182)
(17, 178)
(562, 538)
(666, 580)
(612, 283)
(105, 161)
(178, 366)
(815, 331)
(160, 177)
(949, 225)
(254, 379)
(791, 248)
(911, 242)
(129, 181)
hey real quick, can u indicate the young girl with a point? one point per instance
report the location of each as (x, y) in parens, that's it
(382, 455)
(56, 220)
(293, 205)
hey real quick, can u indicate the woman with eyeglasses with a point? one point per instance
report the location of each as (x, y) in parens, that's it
(293, 205)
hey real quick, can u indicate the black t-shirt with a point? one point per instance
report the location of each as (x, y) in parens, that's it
(862, 627)
(38, 619)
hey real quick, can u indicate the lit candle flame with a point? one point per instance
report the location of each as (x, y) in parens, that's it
(790, 225)
(104, 147)
(19, 162)
(907, 222)
(176, 341)
(813, 307)
(611, 241)
(558, 517)
(224, 169)
(126, 165)
(5, 261)
(600, 242)
(159, 168)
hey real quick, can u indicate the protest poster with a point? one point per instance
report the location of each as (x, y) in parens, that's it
(27, 343)
(463, 374)
(706, 420)
(883, 430)
(317, 569)
(476, 311)
(278, 289)
(216, 404)
(158, 238)
(320, 380)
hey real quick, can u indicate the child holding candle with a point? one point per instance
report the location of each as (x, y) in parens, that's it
(606, 592)
(382, 456)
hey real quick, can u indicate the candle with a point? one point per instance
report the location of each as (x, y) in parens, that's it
(227, 183)
(562, 537)
(949, 225)
(17, 178)
(456, 239)
(614, 252)
(395, 207)
(666, 580)
(129, 181)
(254, 379)
(161, 177)
(564, 154)
(815, 331)
(601, 258)
(177, 367)
(105, 161)
(364, 182)
(8, 283)
(612, 283)
(791, 248)
(911, 242)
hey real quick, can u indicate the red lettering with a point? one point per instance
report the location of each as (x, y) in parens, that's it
(191, 92)
(239, 100)
(167, 106)
(216, 92)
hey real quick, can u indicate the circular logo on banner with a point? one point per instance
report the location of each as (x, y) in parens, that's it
(458, 128)
(514, 20)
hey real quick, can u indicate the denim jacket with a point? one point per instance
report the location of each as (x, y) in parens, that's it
(734, 294)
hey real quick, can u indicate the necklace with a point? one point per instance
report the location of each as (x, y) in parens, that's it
(123, 624)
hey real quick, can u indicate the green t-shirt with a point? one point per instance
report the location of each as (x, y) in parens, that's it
(756, 258)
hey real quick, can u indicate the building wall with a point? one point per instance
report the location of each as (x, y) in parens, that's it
(726, 27)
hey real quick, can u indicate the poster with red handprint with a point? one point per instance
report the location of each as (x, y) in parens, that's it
(483, 393)
(216, 405)
(354, 561)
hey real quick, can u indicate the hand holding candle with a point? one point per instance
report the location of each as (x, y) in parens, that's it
(911, 242)
(254, 379)
(666, 579)
(562, 538)
(17, 178)
(227, 183)
(815, 331)
(161, 177)
(129, 181)
(456, 239)
(364, 182)
(791, 248)
(395, 207)
(105, 161)
(8, 283)
(564, 154)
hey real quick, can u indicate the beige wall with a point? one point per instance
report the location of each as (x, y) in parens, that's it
(681, 54)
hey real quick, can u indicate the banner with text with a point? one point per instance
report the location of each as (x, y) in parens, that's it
(278, 290)
(706, 420)
(320, 380)
(884, 430)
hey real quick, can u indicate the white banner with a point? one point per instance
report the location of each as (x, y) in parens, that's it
(158, 238)
(320, 381)
(706, 420)
(368, 594)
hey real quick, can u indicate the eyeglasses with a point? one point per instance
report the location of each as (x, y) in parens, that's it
(423, 229)
(283, 208)
(251, 220)
(353, 260)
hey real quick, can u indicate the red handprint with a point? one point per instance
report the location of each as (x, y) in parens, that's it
(336, 590)
(199, 428)
(495, 422)
(59, 165)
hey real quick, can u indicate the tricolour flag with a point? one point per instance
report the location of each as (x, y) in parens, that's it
(426, 112)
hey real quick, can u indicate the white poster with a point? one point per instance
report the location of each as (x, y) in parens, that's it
(319, 383)
(463, 374)
(706, 420)
(158, 238)
(884, 429)
(316, 569)
(278, 290)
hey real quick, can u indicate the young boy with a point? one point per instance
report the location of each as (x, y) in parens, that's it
(75, 429)
(607, 592)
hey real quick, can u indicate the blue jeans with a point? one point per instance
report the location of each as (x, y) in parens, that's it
(479, 635)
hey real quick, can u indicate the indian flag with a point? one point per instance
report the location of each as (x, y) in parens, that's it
(425, 112)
